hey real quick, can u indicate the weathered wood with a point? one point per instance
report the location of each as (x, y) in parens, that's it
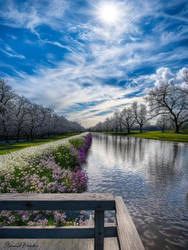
(57, 196)
(128, 237)
(69, 232)
(127, 233)
(25, 201)
(111, 244)
(99, 230)
(90, 242)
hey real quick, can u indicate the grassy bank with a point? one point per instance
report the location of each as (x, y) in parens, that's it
(9, 147)
(157, 135)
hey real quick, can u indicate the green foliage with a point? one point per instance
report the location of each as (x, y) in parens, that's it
(77, 142)
(65, 158)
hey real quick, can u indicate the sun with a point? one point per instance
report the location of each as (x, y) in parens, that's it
(108, 13)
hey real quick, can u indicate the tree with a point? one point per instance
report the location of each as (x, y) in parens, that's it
(20, 112)
(6, 95)
(6, 109)
(120, 119)
(163, 122)
(139, 112)
(168, 99)
(21, 118)
(128, 119)
(115, 119)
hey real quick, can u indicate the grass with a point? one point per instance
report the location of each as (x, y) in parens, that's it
(157, 135)
(9, 147)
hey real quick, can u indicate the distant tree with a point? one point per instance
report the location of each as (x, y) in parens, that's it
(115, 119)
(163, 122)
(7, 97)
(108, 124)
(168, 99)
(128, 118)
(139, 112)
(120, 119)
(20, 112)
(19, 117)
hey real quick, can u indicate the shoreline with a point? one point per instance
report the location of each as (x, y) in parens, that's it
(155, 135)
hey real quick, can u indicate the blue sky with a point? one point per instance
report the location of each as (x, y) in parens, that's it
(88, 58)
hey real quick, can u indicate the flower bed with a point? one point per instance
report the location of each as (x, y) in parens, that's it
(54, 170)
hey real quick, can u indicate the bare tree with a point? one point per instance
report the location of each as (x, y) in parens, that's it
(6, 109)
(21, 118)
(167, 99)
(120, 119)
(163, 122)
(6, 95)
(115, 119)
(20, 107)
(139, 112)
(128, 119)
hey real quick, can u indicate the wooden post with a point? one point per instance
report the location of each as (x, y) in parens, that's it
(127, 234)
(99, 230)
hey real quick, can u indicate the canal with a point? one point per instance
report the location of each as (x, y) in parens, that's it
(152, 178)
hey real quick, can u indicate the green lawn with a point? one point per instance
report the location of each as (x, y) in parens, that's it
(157, 135)
(9, 147)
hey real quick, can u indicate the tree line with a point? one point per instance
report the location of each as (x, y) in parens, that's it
(21, 118)
(166, 102)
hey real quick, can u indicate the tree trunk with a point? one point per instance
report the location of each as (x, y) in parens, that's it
(18, 136)
(141, 129)
(177, 129)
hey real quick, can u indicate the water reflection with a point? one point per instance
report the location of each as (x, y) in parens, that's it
(152, 177)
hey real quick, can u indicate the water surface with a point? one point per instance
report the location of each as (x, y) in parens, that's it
(152, 178)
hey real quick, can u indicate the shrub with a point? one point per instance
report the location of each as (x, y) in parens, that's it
(77, 142)
(66, 157)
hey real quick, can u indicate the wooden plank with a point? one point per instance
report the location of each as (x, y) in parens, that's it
(57, 205)
(128, 236)
(57, 196)
(86, 201)
(111, 244)
(99, 230)
(90, 242)
(37, 232)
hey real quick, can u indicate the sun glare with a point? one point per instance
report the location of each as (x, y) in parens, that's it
(108, 13)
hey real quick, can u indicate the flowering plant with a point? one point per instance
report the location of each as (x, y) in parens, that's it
(56, 170)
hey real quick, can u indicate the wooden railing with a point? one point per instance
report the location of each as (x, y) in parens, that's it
(125, 230)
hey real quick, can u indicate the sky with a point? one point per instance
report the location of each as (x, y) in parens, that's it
(89, 58)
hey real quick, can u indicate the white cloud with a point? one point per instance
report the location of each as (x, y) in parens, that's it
(162, 75)
(11, 53)
(181, 73)
(105, 52)
(33, 13)
(180, 77)
(63, 86)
